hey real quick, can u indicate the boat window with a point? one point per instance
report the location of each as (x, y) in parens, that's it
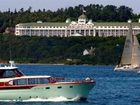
(59, 87)
(47, 87)
(8, 74)
(37, 80)
(20, 82)
(33, 81)
(1, 74)
(43, 80)
(30, 81)
(71, 86)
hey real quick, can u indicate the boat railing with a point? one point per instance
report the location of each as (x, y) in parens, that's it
(79, 80)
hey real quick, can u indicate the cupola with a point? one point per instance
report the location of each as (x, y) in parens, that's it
(82, 19)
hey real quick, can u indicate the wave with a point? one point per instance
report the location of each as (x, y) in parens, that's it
(56, 99)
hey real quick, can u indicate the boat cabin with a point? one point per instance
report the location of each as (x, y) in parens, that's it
(30, 80)
(27, 81)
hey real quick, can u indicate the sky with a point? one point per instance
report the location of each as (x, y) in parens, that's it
(55, 4)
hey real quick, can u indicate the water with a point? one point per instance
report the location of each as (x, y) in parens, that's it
(112, 88)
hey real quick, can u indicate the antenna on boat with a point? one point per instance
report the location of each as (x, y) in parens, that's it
(11, 62)
(10, 51)
(10, 54)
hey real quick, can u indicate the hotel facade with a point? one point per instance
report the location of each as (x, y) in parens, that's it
(82, 27)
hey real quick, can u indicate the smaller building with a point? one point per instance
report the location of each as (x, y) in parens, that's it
(85, 52)
(10, 30)
(90, 51)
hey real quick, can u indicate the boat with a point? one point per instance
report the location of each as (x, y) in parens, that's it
(130, 60)
(16, 86)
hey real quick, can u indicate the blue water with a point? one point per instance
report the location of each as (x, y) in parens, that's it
(112, 88)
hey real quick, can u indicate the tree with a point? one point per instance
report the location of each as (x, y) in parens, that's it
(124, 13)
(94, 12)
(109, 13)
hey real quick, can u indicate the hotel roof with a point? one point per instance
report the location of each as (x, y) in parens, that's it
(44, 24)
(83, 16)
(66, 24)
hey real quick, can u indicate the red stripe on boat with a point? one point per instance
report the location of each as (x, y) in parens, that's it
(15, 87)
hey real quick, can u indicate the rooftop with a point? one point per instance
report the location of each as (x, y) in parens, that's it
(83, 16)
(66, 24)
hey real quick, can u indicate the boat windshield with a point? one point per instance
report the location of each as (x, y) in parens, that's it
(29, 81)
(9, 73)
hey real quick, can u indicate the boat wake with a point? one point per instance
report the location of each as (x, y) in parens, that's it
(57, 99)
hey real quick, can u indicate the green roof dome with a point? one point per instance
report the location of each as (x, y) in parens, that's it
(83, 16)
(68, 20)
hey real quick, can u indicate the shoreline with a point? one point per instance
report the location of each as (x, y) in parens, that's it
(60, 64)
(37, 64)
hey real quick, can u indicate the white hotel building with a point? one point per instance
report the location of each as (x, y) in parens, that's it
(82, 27)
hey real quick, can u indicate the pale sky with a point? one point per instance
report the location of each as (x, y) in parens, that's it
(55, 4)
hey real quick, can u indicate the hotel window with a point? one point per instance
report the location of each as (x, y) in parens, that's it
(77, 31)
(72, 31)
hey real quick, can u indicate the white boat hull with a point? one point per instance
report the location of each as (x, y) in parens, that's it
(68, 91)
(127, 68)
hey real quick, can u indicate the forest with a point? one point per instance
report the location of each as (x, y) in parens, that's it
(61, 50)
(96, 12)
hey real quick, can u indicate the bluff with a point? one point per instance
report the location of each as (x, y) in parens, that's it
(56, 50)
